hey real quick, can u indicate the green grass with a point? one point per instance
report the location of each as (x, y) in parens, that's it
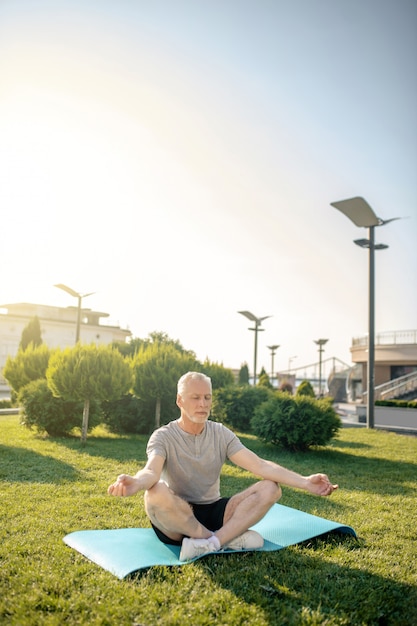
(50, 487)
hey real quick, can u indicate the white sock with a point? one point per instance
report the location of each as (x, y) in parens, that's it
(214, 540)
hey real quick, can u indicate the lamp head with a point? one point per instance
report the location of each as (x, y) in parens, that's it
(365, 243)
(68, 290)
(253, 317)
(360, 213)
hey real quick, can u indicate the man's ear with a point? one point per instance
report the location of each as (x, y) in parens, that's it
(179, 401)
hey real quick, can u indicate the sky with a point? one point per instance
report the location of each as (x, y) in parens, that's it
(178, 159)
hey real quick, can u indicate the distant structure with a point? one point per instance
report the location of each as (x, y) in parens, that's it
(395, 369)
(58, 329)
(395, 364)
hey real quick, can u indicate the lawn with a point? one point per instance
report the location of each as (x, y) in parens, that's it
(50, 487)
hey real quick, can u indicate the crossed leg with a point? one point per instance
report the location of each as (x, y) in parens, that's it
(175, 518)
(172, 515)
(246, 508)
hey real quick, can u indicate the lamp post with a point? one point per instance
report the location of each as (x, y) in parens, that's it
(79, 297)
(320, 343)
(290, 360)
(273, 352)
(361, 214)
(257, 321)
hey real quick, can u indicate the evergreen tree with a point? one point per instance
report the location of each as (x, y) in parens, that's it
(156, 337)
(88, 373)
(26, 366)
(31, 334)
(263, 380)
(244, 374)
(220, 376)
(157, 369)
(305, 388)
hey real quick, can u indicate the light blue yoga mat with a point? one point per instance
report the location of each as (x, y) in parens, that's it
(123, 551)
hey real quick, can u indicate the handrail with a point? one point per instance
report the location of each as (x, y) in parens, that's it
(395, 387)
(389, 338)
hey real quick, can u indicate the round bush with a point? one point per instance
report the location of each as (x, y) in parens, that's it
(295, 423)
(305, 388)
(128, 415)
(42, 410)
(234, 406)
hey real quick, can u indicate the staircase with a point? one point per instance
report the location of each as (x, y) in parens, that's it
(397, 388)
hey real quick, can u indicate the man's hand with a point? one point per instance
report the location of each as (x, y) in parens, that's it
(125, 485)
(320, 485)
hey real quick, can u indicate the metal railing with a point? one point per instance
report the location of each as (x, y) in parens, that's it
(389, 338)
(396, 387)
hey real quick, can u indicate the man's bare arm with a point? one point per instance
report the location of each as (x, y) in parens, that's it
(145, 478)
(318, 484)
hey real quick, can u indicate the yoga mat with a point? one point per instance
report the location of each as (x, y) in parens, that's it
(123, 551)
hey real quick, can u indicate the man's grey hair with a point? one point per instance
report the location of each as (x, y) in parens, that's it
(188, 377)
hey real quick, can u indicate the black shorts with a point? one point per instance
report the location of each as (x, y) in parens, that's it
(210, 515)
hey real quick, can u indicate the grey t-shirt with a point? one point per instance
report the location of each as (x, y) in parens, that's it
(193, 462)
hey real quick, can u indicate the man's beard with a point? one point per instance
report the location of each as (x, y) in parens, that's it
(195, 419)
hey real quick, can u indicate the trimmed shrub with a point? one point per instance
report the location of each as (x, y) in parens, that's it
(264, 381)
(295, 423)
(156, 370)
(128, 416)
(305, 388)
(235, 406)
(220, 376)
(43, 411)
(26, 366)
(88, 374)
(404, 404)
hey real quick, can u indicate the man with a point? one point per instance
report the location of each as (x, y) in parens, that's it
(181, 479)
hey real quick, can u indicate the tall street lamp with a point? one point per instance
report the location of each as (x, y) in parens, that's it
(361, 214)
(257, 321)
(273, 352)
(79, 297)
(320, 343)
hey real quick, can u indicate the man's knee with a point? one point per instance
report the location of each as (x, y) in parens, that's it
(157, 496)
(271, 491)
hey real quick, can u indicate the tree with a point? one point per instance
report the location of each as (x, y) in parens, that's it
(26, 366)
(88, 372)
(305, 388)
(220, 376)
(244, 374)
(136, 344)
(31, 334)
(161, 337)
(157, 369)
(263, 380)
(130, 348)
(42, 410)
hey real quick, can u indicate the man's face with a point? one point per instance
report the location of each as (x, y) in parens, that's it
(195, 402)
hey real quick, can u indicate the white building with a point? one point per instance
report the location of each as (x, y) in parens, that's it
(58, 329)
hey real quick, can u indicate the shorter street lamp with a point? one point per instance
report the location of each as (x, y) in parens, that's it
(257, 321)
(361, 214)
(273, 352)
(320, 343)
(290, 360)
(79, 296)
